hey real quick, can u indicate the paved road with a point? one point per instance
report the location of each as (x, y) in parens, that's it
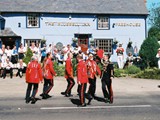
(134, 99)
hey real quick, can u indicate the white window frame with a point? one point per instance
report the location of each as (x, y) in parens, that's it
(105, 44)
(103, 23)
(33, 20)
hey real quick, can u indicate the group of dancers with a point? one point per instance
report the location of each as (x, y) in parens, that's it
(86, 73)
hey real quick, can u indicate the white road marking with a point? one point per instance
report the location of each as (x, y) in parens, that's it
(95, 107)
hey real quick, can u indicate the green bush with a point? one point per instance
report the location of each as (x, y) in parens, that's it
(149, 74)
(74, 62)
(148, 51)
(132, 70)
(119, 73)
(59, 69)
(28, 56)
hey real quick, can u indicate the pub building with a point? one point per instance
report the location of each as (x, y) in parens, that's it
(100, 22)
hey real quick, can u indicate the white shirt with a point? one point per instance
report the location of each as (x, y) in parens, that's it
(7, 65)
(9, 52)
(21, 65)
(21, 50)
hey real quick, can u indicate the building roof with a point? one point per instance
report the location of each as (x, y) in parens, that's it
(75, 6)
(7, 32)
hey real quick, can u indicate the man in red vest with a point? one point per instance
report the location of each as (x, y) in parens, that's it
(92, 71)
(69, 75)
(33, 77)
(82, 79)
(48, 74)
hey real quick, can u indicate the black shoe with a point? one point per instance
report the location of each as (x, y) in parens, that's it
(48, 96)
(89, 101)
(41, 95)
(33, 100)
(68, 95)
(83, 105)
(106, 100)
(44, 96)
(28, 100)
(63, 93)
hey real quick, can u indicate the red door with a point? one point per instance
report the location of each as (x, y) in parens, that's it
(83, 42)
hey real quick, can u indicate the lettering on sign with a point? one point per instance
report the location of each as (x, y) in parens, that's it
(128, 24)
(66, 24)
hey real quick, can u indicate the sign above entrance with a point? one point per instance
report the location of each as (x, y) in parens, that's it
(121, 24)
(67, 24)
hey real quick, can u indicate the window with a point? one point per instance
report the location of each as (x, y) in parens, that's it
(33, 20)
(105, 44)
(27, 42)
(103, 23)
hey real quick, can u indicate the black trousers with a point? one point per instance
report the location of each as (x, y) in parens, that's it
(5, 72)
(20, 72)
(29, 89)
(107, 92)
(48, 85)
(70, 85)
(92, 86)
(82, 90)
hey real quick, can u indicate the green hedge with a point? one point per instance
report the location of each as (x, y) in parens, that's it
(149, 74)
(132, 70)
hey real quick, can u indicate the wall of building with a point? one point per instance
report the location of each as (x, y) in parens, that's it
(62, 27)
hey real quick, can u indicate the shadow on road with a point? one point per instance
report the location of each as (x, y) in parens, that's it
(100, 99)
(75, 101)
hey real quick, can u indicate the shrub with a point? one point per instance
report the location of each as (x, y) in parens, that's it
(119, 73)
(74, 62)
(132, 69)
(59, 69)
(149, 74)
(148, 51)
(28, 56)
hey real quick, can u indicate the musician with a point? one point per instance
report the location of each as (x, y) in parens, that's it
(106, 78)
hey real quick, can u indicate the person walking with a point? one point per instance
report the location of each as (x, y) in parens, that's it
(106, 78)
(48, 74)
(82, 79)
(69, 75)
(33, 77)
(92, 70)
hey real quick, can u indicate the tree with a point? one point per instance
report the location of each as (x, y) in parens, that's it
(154, 32)
(154, 15)
(148, 51)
